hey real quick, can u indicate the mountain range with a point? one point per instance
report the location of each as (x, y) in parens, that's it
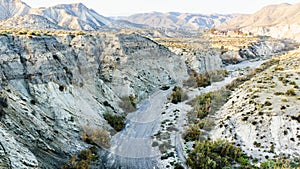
(279, 21)
(178, 20)
(66, 16)
(12, 8)
(15, 13)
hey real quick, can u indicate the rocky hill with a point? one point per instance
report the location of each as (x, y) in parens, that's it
(64, 16)
(12, 8)
(262, 115)
(279, 21)
(177, 20)
(73, 16)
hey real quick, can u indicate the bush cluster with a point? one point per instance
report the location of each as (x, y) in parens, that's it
(83, 160)
(115, 121)
(207, 103)
(205, 79)
(177, 95)
(215, 154)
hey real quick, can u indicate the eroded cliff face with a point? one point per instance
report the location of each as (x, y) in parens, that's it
(53, 86)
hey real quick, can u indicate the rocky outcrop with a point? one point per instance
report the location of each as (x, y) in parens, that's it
(204, 61)
(53, 86)
(263, 49)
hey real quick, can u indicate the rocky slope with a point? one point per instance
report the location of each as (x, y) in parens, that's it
(53, 86)
(12, 8)
(262, 115)
(30, 21)
(279, 21)
(177, 20)
(213, 52)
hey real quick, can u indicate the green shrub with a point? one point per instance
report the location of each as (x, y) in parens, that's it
(290, 92)
(268, 103)
(278, 93)
(284, 99)
(269, 164)
(203, 80)
(207, 104)
(214, 154)
(192, 133)
(115, 121)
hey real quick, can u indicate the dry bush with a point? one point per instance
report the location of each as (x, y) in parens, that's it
(96, 136)
(177, 95)
(83, 160)
(192, 133)
(205, 79)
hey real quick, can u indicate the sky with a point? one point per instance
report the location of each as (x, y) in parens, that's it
(128, 7)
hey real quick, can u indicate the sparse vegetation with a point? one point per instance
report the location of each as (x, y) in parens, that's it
(251, 74)
(206, 104)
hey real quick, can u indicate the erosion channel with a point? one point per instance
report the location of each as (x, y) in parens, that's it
(133, 146)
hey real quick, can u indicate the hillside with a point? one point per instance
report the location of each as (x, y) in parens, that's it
(278, 21)
(262, 115)
(177, 20)
(30, 21)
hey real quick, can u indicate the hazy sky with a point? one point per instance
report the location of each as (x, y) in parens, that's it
(127, 7)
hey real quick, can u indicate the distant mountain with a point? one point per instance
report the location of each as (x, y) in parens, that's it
(73, 16)
(12, 8)
(15, 13)
(178, 20)
(279, 21)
